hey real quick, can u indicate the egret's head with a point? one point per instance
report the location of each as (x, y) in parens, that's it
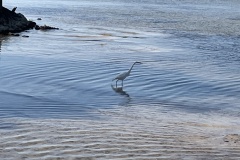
(138, 62)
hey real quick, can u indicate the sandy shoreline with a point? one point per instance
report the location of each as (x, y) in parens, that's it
(120, 137)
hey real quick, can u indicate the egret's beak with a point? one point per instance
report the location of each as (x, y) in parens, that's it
(138, 62)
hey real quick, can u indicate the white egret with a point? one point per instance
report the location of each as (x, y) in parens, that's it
(124, 75)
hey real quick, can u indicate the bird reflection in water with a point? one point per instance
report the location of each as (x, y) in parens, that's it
(120, 91)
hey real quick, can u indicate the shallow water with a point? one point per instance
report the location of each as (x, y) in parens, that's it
(142, 138)
(187, 86)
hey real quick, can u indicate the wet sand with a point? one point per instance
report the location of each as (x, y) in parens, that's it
(121, 136)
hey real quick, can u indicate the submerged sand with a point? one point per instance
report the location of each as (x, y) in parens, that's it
(122, 136)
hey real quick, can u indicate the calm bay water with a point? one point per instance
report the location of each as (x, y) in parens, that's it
(190, 52)
(74, 66)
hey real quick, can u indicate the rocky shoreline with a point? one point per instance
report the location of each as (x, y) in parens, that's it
(12, 22)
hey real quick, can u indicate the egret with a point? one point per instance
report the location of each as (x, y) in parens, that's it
(124, 75)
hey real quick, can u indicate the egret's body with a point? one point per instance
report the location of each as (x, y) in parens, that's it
(124, 75)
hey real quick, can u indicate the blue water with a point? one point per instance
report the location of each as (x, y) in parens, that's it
(190, 53)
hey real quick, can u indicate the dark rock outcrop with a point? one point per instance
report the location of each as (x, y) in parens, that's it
(45, 27)
(13, 22)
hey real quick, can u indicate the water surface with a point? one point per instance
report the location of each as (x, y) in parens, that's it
(187, 86)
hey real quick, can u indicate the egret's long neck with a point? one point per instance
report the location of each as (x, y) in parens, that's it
(131, 68)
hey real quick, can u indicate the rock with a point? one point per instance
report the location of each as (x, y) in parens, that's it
(14, 34)
(39, 19)
(37, 27)
(12, 22)
(45, 27)
(14, 9)
(31, 24)
(233, 138)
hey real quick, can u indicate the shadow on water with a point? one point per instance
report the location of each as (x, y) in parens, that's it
(3, 39)
(0, 44)
(120, 91)
(1, 48)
